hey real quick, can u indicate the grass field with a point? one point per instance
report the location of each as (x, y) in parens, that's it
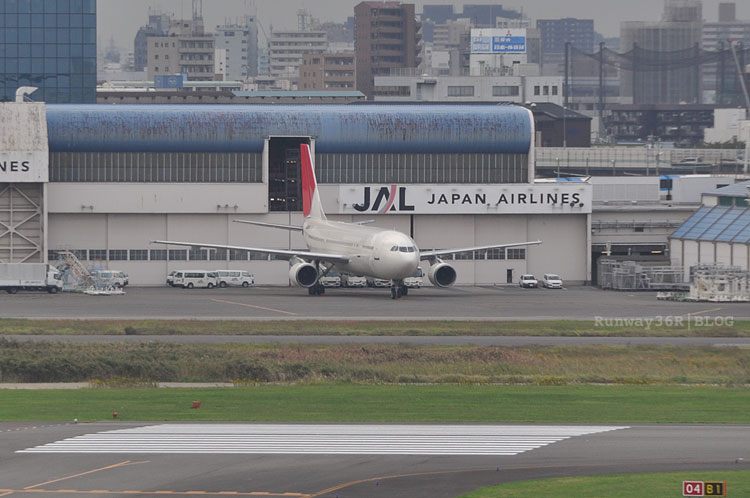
(22, 361)
(387, 403)
(617, 486)
(378, 328)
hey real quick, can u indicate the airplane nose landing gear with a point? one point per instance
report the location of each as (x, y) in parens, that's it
(398, 289)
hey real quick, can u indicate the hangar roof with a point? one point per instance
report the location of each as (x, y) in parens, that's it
(736, 190)
(336, 128)
(716, 224)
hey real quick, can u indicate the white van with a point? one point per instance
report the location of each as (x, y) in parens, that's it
(187, 279)
(110, 278)
(235, 278)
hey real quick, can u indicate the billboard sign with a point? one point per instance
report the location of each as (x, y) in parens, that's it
(24, 167)
(552, 198)
(498, 41)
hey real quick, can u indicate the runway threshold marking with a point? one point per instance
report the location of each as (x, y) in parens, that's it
(108, 467)
(254, 306)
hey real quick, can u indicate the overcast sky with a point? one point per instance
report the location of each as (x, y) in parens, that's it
(122, 18)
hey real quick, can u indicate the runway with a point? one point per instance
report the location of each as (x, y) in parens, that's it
(455, 303)
(345, 460)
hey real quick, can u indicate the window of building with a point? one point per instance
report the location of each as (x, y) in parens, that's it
(545, 90)
(537, 90)
(158, 254)
(505, 91)
(118, 254)
(95, 254)
(237, 255)
(554, 90)
(178, 254)
(516, 253)
(198, 255)
(138, 254)
(461, 91)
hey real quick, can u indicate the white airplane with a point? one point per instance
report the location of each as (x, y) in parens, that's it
(350, 247)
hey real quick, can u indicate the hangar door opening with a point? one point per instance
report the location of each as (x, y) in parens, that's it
(284, 175)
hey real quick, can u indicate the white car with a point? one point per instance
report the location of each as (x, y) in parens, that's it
(378, 282)
(528, 281)
(331, 279)
(552, 281)
(236, 278)
(353, 281)
(110, 278)
(415, 281)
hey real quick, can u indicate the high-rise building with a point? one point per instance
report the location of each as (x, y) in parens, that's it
(556, 33)
(386, 36)
(678, 31)
(721, 83)
(49, 45)
(158, 24)
(185, 49)
(286, 49)
(240, 40)
(327, 72)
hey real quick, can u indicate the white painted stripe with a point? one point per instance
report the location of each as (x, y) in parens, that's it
(321, 439)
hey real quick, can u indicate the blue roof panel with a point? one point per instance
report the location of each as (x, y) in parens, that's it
(690, 222)
(722, 223)
(705, 223)
(336, 128)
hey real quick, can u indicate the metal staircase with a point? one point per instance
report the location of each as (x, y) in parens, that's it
(81, 272)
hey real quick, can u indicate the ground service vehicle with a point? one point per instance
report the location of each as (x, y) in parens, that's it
(414, 281)
(110, 278)
(378, 282)
(29, 276)
(528, 281)
(236, 278)
(331, 279)
(552, 281)
(353, 281)
(187, 279)
(170, 278)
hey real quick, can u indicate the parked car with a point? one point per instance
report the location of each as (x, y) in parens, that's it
(331, 279)
(415, 281)
(110, 278)
(528, 281)
(352, 280)
(691, 160)
(187, 279)
(378, 282)
(236, 278)
(552, 281)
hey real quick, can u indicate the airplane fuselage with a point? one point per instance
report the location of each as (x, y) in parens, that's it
(373, 251)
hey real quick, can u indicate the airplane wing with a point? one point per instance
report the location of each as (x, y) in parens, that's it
(270, 225)
(446, 252)
(281, 253)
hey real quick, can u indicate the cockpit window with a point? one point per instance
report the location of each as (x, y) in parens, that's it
(394, 249)
(406, 249)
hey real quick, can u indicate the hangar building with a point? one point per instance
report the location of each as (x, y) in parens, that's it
(104, 180)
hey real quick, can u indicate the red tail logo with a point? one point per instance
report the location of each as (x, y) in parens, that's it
(308, 179)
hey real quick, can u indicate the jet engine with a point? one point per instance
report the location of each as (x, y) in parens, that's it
(303, 274)
(442, 274)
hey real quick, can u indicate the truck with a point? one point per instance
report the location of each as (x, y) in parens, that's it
(30, 276)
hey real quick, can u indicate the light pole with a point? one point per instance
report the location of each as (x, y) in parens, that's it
(565, 128)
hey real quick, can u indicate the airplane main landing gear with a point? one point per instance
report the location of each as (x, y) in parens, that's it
(316, 290)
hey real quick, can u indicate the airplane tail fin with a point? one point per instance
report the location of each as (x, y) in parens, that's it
(312, 207)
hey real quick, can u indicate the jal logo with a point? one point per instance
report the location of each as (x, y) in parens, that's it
(386, 199)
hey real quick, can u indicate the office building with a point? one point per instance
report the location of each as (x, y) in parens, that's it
(51, 46)
(327, 72)
(240, 41)
(386, 36)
